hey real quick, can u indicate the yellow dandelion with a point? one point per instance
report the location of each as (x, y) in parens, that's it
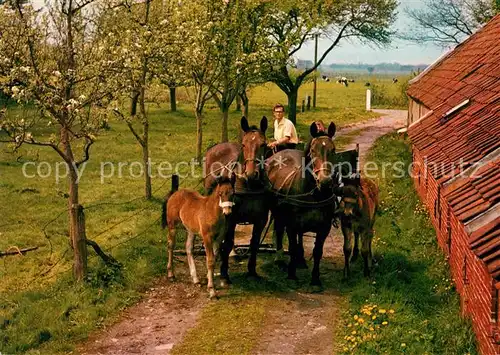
(372, 329)
(346, 349)
(382, 311)
(361, 320)
(391, 311)
(403, 345)
(354, 332)
(349, 325)
(384, 323)
(374, 317)
(356, 317)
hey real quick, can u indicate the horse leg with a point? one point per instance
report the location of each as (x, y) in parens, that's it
(301, 260)
(190, 259)
(258, 227)
(279, 231)
(209, 249)
(346, 226)
(171, 246)
(318, 254)
(292, 250)
(366, 240)
(225, 250)
(355, 253)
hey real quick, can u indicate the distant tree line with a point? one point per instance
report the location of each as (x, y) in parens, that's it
(375, 68)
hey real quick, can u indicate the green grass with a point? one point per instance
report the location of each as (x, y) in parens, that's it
(40, 307)
(229, 326)
(387, 95)
(412, 278)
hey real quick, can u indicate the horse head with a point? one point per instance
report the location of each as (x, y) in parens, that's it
(253, 146)
(321, 155)
(225, 193)
(350, 196)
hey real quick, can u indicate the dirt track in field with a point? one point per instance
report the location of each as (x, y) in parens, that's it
(299, 323)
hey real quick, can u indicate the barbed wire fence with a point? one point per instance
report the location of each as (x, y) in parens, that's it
(46, 234)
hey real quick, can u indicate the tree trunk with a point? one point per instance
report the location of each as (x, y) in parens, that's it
(76, 218)
(77, 222)
(238, 103)
(173, 102)
(244, 100)
(199, 136)
(225, 119)
(292, 105)
(77, 228)
(147, 167)
(145, 145)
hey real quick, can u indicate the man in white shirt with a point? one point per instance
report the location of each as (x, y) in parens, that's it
(285, 134)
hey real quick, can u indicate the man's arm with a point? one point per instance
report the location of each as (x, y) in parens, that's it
(283, 140)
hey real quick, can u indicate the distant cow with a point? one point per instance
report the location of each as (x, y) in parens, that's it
(325, 78)
(367, 84)
(351, 80)
(343, 80)
(394, 80)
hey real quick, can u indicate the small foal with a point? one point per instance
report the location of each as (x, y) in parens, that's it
(202, 215)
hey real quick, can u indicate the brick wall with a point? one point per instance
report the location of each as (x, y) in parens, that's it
(474, 283)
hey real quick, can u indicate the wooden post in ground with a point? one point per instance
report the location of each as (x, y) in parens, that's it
(79, 244)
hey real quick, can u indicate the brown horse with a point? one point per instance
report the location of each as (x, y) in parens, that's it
(252, 201)
(202, 215)
(305, 185)
(357, 215)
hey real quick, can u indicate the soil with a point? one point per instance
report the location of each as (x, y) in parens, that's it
(302, 323)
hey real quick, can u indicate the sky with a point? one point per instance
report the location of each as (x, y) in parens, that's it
(355, 52)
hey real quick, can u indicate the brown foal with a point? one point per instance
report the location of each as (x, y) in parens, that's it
(358, 207)
(202, 215)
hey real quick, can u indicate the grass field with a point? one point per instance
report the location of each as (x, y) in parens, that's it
(42, 310)
(39, 305)
(412, 289)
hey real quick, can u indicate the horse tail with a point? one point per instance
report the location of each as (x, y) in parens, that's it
(174, 188)
(175, 183)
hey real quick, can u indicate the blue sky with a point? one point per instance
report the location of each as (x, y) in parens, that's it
(355, 52)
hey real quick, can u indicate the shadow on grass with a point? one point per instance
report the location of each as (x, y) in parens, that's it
(394, 273)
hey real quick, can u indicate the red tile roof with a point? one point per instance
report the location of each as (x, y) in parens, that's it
(452, 143)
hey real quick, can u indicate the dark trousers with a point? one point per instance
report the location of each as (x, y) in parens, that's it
(284, 146)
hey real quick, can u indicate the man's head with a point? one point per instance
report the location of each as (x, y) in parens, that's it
(278, 112)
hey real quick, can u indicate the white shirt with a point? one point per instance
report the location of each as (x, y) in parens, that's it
(285, 128)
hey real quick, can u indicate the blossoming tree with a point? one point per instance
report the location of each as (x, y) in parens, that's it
(48, 60)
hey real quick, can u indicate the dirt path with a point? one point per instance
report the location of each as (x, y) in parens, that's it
(299, 323)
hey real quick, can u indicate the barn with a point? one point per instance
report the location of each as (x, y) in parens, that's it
(454, 128)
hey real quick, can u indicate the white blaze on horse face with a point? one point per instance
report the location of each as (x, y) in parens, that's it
(227, 206)
(324, 144)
